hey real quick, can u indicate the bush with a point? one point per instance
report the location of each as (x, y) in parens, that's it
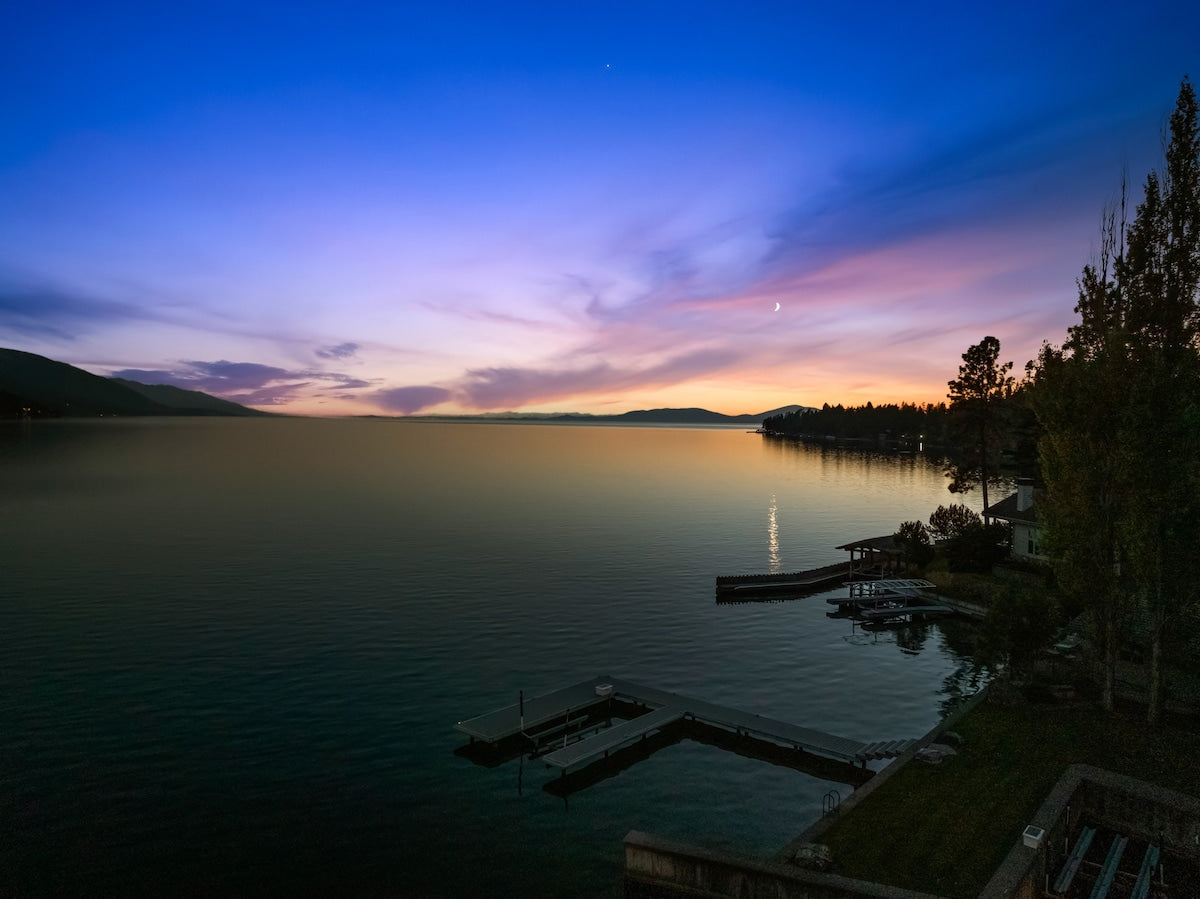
(1019, 624)
(978, 547)
(914, 538)
(948, 522)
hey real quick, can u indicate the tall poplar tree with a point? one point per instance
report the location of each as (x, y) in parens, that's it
(1120, 408)
(1073, 395)
(1160, 274)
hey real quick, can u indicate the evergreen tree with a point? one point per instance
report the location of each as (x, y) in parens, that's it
(1160, 275)
(1120, 405)
(976, 399)
(948, 522)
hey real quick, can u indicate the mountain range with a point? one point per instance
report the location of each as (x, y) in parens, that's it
(37, 387)
(34, 386)
(691, 415)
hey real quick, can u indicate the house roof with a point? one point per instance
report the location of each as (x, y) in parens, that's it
(1006, 510)
(886, 544)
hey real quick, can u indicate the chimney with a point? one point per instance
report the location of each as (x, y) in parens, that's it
(1024, 494)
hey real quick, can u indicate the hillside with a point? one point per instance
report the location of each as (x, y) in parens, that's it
(37, 387)
(189, 401)
(694, 416)
(641, 416)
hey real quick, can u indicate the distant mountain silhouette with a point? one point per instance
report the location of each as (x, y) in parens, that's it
(641, 416)
(190, 402)
(690, 416)
(32, 385)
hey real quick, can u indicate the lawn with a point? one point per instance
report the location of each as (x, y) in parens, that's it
(946, 829)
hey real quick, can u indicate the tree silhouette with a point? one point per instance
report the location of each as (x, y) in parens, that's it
(976, 403)
(1120, 408)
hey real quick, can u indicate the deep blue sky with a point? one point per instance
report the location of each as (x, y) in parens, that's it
(564, 206)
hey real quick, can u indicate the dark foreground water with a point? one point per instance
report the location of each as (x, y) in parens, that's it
(233, 651)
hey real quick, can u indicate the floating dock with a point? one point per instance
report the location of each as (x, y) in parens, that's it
(910, 587)
(889, 613)
(889, 600)
(539, 715)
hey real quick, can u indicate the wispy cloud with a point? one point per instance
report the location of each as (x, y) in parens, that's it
(340, 351)
(989, 176)
(250, 383)
(407, 400)
(512, 387)
(41, 312)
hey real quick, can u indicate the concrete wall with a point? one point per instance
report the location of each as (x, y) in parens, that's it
(657, 868)
(1142, 810)
(1122, 804)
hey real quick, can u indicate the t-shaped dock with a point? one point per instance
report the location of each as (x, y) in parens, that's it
(535, 715)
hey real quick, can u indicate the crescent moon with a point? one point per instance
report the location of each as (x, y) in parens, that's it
(776, 307)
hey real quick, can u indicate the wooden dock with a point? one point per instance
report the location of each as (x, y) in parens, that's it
(663, 709)
(744, 587)
(539, 712)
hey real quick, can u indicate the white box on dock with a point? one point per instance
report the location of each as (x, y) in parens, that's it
(604, 689)
(1033, 836)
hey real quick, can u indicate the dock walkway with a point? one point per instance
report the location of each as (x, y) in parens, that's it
(746, 585)
(539, 710)
(665, 708)
(612, 738)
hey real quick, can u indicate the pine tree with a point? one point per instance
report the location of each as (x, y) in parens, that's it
(1120, 408)
(976, 405)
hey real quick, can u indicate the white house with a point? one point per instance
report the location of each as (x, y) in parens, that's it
(1018, 510)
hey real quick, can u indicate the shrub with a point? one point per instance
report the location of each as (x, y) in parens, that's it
(978, 546)
(948, 522)
(914, 538)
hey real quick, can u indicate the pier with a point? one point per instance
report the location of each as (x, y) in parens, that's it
(545, 721)
(870, 559)
(749, 587)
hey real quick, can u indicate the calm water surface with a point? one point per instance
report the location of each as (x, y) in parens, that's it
(234, 651)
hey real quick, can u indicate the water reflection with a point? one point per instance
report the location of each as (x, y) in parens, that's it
(911, 639)
(774, 562)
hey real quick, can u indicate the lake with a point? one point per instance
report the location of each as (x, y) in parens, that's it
(235, 650)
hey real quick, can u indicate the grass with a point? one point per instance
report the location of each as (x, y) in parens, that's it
(946, 829)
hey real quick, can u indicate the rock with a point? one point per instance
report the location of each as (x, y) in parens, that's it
(935, 753)
(813, 857)
(951, 738)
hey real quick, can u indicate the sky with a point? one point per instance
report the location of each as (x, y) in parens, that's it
(409, 208)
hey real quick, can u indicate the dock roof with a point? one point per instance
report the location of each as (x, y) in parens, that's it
(885, 544)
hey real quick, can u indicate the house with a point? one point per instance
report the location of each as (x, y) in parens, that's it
(1018, 510)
